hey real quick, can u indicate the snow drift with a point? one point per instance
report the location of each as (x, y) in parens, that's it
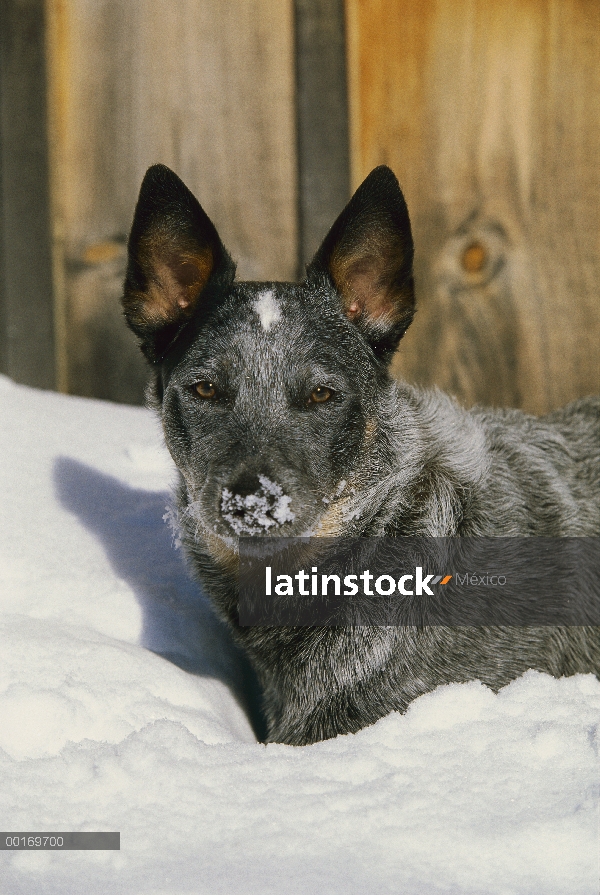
(124, 705)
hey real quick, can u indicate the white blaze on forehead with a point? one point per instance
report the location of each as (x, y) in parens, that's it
(267, 308)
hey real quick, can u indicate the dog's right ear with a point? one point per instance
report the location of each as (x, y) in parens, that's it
(174, 251)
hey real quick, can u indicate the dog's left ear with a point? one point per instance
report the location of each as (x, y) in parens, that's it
(174, 254)
(368, 255)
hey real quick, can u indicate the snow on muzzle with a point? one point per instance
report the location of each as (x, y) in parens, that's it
(255, 505)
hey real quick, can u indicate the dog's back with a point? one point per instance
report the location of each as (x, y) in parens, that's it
(545, 472)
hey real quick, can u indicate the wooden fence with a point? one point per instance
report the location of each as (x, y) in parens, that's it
(488, 111)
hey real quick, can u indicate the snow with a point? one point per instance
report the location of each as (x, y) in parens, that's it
(123, 707)
(254, 514)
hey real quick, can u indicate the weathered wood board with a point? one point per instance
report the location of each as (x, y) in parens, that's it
(489, 113)
(203, 86)
(322, 119)
(26, 307)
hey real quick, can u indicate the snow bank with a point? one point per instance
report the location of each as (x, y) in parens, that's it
(124, 706)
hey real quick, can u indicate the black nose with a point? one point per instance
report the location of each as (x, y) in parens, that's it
(245, 484)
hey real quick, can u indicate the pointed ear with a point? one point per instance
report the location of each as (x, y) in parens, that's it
(368, 256)
(174, 251)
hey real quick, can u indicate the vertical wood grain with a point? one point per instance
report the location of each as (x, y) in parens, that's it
(203, 86)
(26, 312)
(322, 120)
(488, 111)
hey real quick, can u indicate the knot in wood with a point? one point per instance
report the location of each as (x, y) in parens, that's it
(474, 257)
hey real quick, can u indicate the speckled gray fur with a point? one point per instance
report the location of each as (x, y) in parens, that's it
(300, 398)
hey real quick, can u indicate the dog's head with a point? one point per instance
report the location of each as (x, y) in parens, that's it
(271, 394)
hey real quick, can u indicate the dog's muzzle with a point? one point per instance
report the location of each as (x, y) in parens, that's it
(254, 505)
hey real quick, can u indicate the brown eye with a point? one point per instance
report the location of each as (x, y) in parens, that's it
(320, 394)
(206, 389)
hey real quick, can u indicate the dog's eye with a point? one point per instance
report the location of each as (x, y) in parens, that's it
(205, 389)
(320, 394)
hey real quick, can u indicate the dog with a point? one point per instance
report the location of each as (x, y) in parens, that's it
(281, 416)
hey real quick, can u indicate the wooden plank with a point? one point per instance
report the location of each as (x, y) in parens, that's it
(489, 112)
(26, 315)
(322, 108)
(203, 86)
